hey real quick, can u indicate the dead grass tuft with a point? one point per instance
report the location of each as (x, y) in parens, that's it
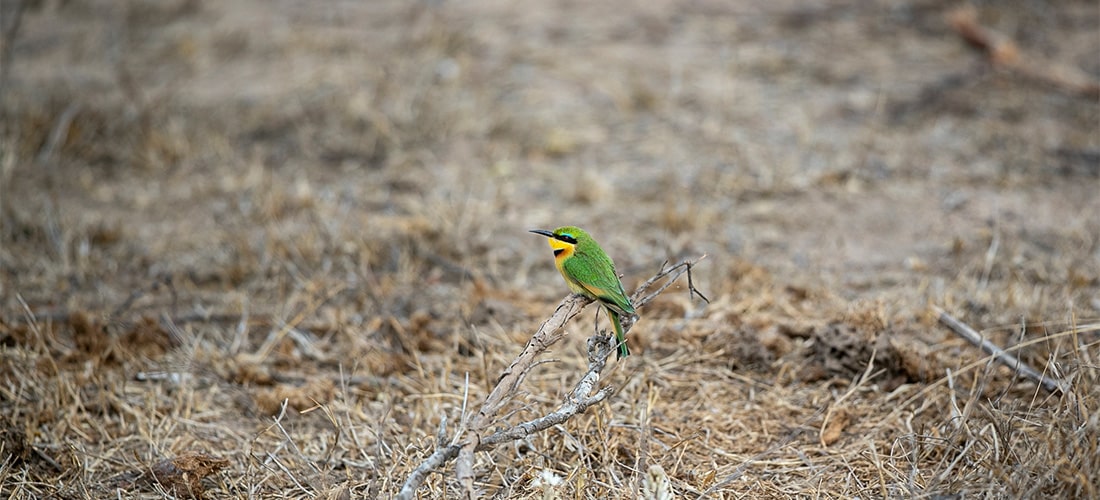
(181, 476)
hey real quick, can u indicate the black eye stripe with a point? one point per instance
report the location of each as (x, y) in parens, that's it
(568, 238)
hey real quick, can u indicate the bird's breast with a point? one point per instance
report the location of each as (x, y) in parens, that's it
(560, 255)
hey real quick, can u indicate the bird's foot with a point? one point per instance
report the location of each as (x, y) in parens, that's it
(600, 347)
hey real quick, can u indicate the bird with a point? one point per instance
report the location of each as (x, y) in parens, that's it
(590, 272)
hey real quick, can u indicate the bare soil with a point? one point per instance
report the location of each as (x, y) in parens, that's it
(261, 249)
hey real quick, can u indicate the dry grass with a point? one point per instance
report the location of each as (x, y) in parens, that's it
(258, 252)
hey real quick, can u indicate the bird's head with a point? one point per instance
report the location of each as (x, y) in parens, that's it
(563, 239)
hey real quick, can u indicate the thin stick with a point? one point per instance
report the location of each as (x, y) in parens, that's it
(964, 331)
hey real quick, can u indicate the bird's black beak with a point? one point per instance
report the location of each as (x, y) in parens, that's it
(545, 233)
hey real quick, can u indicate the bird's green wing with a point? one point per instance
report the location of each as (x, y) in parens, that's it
(595, 271)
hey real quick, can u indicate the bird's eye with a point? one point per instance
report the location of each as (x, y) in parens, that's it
(568, 238)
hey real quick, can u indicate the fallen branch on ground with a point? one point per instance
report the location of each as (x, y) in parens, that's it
(1005, 358)
(579, 399)
(1002, 51)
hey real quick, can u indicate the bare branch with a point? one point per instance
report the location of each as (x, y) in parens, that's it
(579, 399)
(672, 272)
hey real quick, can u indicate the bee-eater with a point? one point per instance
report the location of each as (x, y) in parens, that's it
(590, 272)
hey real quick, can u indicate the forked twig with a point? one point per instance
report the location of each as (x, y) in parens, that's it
(579, 399)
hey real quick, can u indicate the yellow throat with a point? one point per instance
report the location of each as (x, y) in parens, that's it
(562, 250)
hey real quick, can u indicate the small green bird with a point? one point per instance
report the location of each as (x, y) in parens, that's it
(590, 272)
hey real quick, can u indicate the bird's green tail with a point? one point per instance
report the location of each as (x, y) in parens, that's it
(620, 339)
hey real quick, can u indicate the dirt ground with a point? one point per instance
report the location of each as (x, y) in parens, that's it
(261, 249)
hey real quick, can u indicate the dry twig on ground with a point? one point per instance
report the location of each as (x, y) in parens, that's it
(1004, 52)
(963, 330)
(579, 399)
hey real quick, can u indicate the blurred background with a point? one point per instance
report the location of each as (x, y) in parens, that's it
(190, 177)
(858, 143)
